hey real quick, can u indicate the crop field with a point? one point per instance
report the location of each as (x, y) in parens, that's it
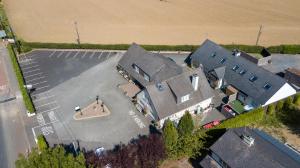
(156, 21)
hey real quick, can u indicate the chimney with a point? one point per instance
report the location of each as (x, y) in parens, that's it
(195, 81)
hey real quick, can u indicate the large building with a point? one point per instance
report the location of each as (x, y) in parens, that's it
(167, 90)
(249, 148)
(256, 86)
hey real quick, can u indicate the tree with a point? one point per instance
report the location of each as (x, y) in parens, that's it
(287, 103)
(170, 136)
(186, 124)
(42, 143)
(297, 99)
(51, 157)
(271, 109)
(279, 105)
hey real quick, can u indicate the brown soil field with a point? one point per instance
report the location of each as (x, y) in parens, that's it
(155, 21)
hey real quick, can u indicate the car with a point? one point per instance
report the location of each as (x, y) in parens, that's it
(100, 151)
(211, 124)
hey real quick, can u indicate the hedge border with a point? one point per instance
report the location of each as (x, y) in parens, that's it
(27, 100)
(283, 49)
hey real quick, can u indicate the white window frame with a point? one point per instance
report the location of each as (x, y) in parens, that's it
(185, 98)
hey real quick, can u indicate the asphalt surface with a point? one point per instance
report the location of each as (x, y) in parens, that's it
(65, 79)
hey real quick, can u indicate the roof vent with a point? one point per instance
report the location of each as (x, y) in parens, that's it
(236, 53)
(248, 140)
(159, 86)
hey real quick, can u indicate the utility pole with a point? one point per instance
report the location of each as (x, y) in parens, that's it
(258, 35)
(78, 37)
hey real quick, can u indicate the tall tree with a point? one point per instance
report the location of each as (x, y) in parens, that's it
(170, 136)
(186, 124)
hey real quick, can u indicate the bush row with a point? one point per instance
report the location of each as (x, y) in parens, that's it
(27, 100)
(284, 49)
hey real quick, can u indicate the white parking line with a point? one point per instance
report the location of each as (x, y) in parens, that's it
(31, 71)
(34, 66)
(34, 79)
(55, 108)
(99, 57)
(54, 102)
(39, 83)
(60, 54)
(33, 75)
(44, 125)
(83, 55)
(41, 93)
(91, 56)
(23, 64)
(76, 54)
(42, 87)
(50, 56)
(69, 53)
(43, 98)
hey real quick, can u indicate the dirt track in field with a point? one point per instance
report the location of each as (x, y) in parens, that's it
(155, 21)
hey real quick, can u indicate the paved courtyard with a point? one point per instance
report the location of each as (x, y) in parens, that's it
(63, 80)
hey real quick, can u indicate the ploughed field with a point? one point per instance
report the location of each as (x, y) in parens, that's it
(156, 21)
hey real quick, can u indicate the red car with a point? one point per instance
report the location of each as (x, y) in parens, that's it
(211, 124)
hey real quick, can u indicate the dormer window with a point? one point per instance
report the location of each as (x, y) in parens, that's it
(235, 68)
(185, 98)
(136, 68)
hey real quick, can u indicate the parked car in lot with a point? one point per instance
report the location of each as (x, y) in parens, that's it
(211, 124)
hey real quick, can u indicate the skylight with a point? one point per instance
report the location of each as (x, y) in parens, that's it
(222, 60)
(253, 78)
(267, 86)
(235, 68)
(242, 72)
(213, 54)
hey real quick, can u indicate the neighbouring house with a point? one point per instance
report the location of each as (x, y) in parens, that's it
(167, 90)
(256, 86)
(292, 75)
(248, 148)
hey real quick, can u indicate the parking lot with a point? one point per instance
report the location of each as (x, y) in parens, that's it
(64, 79)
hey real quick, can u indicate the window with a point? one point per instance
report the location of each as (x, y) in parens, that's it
(253, 78)
(185, 98)
(235, 68)
(146, 77)
(222, 60)
(136, 68)
(267, 86)
(242, 72)
(213, 54)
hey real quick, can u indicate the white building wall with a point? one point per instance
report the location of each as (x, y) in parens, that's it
(176, 116)
(285, 91)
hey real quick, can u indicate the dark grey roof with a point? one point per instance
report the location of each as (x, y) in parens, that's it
(155, 65)
(219, 72)
(165, 102)
(266, 151)
(203, 55)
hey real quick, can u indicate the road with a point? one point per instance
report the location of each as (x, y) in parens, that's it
(13, 136)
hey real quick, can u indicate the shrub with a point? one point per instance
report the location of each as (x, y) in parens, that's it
(271, 109)
(42, 143)
(279, 105)
(287, 103)
(186, 124)
(27, 100)
(297, 99)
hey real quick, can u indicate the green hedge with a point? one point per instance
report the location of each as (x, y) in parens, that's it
(42, 143)
(26, 97)
(284, 49)
(245, 119)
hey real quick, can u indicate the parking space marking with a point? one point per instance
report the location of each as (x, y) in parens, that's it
(39, 83)
(33, 75)
(60, 54)
(55, 108)
(52, 116)
(91, 56)
(31, 71)
(43, 98)
(76, 54)
(34, 79)
(94, 53)
(34, 66)
(47, 130)
(99, 57)
(54, 102)
(83, 55)
(41, 93)
(40, 119)
(23, 64)
(42, 87)
(50, 56)
(69, 53)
